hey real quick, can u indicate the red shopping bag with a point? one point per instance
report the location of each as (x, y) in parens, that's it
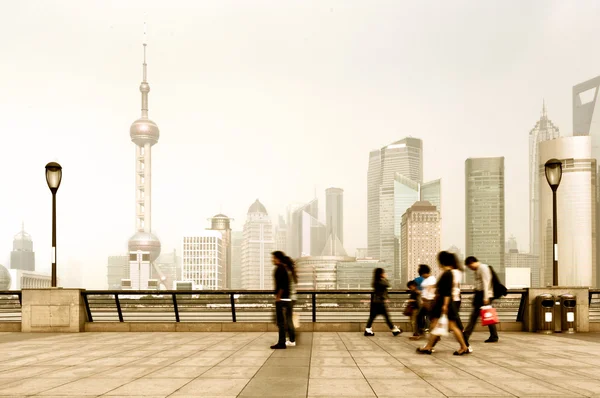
(489, 316)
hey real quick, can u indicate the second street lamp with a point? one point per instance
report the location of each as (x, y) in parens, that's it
(53, 178)
(553, 176)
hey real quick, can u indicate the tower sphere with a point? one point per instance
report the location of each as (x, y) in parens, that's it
(146, 242)
(5, 278)
(144, 131)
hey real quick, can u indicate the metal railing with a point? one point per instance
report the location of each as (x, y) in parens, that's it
(10, 306)
(594, 304)
(258, 306)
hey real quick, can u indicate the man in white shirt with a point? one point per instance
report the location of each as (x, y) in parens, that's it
(427, 287)
(484, 295)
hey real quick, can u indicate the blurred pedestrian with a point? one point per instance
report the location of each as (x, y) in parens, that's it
(413, 305)
(484, 295)
(427, 287)
(444, 305)
(283, 302)
(378, 299)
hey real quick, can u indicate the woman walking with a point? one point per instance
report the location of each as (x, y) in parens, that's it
(378, 306)
(444, 305)
(283, 301)
(293, 277)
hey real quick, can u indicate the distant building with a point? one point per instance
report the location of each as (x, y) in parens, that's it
(22, 256)
(511, 245)
(358, 275)
(22, 279)
(204, 260)
(362, 253)
(576, 213)
(281, 236)
(406, 194)
(432, 192)
(222, 223)
(484, 211)
(117, 270)
(5, 278)
(319, 272)
(420, 239)
(334, 212)
(237, 238)
(257, 247)
(168, 267)
(406, 158)
(140, 273)
(307, 233)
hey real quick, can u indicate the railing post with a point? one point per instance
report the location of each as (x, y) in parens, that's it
(88, 310)
(232, 300)
(21, 302)
(175, 307)
(314, 306)
(118, 307)
(522, 306)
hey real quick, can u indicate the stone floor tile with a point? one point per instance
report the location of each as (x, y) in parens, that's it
(281, 362)
(285, 372)
(75, 372)
(29, 386)
(532, 387)
(212, 387)
(332, 362)
(441, 372)
(180, 372)
(409, 388)
(291, 353)
(276, 387)
(198, 362)
(471, 387)
(330, 354)
(243, 362)
(127, 371)
(86, 387)
(378, 361)
(335, 372)
(370, 354)
(395, 372)
(27, 371)
(581, 386)
(151, 385)
(234, 372)
(330, 388)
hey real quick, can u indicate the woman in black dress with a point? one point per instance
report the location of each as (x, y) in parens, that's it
(444, 305)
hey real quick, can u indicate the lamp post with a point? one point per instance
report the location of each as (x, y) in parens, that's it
(53, 178)
(553, 176)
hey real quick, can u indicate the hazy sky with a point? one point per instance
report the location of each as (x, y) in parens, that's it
(268, 100)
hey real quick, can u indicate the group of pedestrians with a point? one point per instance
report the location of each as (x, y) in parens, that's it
(430, 299)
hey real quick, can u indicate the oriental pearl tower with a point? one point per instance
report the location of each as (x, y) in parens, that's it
(144, 134)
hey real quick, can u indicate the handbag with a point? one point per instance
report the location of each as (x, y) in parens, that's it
(489, 316)
(441, 329)
(409, 309)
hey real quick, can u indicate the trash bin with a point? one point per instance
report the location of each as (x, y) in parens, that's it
(568, 304)
(545, 313)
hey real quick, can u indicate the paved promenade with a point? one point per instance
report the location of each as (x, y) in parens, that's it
(322, 365)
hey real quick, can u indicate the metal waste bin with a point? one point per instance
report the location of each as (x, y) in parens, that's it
(545, 313)
(568, 304)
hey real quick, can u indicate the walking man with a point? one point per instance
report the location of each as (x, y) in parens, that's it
(283, 303)
(484, 294)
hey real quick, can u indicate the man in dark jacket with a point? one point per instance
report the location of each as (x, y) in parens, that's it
(282, 301)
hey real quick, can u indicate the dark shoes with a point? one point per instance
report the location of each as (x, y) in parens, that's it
(491, 340)
(421, 350)
(465, 352)
(278, 347)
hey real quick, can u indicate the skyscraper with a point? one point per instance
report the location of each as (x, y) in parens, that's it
(222, 223)
(406, 193)
(117, 270)
(334, 212)
(144, 133)
(204, 260)
(484, 211)
(404, 157)
(544, 130)
(237, 238)
(420, 239)
(257, 247)
(432, 192)
(586, 121)
(22, 256)
(307, 233)
(576, 213)
(281, 236)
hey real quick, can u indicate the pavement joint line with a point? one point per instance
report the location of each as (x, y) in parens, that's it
(354, 359)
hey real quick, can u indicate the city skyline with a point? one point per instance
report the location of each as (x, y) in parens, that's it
(77, 114)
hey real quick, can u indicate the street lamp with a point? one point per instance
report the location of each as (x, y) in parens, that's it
(553, 176)
(53, 177)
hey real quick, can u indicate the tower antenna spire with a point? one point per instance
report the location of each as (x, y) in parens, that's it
(145, 43)
(543, 108)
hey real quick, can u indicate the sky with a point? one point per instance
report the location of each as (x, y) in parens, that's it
(268, 99)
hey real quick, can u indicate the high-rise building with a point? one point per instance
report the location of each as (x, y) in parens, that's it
(406, 194)
(334, 212)
(144, 133)
(117, 270)
(281, 236)
(22, 256)
(420, 242)
(511, 245)
(576, 213)
(586, 121)
(432, 192)
(167, 269)
(307, 234)
(257, 247)
(484, 211)
(204, 260)
(222, 223)
(362, 253)
(406, 158)
(319, 272)
(358, 275)
(237, 238)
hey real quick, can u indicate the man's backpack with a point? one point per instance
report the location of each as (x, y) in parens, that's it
(499, 289)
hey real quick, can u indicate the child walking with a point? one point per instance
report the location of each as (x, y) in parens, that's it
(378, 306)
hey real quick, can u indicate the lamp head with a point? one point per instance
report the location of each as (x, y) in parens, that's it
(53, 176)
(553, 173)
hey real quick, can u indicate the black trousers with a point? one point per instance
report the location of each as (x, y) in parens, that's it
(283, 312)
(477, 304)
(458, 320)
(379, 309)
